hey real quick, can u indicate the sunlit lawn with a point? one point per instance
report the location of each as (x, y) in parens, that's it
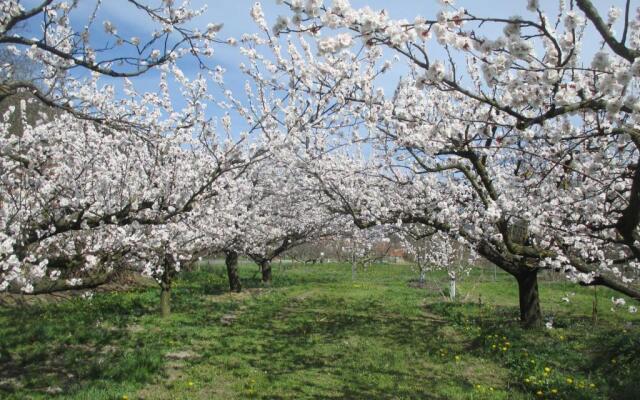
(316, 334)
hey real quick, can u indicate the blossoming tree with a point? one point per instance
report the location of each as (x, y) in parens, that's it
(85, 186)
(524, 144)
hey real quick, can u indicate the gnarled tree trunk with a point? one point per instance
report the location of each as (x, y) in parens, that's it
(530, 312)
(265, 268)
(231, 260)
(527, 277)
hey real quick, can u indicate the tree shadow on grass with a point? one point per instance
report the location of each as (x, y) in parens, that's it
(55, 348)
(574, 346)
(319, 347)
(66, 347)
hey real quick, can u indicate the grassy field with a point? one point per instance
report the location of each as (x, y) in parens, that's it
(316, 334)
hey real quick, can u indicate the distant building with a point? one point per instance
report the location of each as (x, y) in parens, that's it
(395, 255)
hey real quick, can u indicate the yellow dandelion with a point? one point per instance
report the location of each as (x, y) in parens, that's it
(592, 385)
(540, 393)
(457, 358)
(569, 381)
(190, 383)
(125, 397)
(504, 349)
(527, 380)
(547, 369)
(554, 391)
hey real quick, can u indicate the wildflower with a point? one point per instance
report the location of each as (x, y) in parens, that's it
(569, 381)
(125, 397)
(457, 358)
(547, 369)
(554, 391)
(592, 385)
(539, 393)
(190, 383)
(618, 302)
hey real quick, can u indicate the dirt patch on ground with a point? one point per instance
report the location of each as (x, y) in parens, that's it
(179, 376)
(182, 355)
(233, 296)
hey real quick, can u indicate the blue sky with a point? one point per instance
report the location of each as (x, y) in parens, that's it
(235, 16)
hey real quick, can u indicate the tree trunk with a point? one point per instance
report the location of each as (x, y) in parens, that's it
(594, 310)
(423, 275)
(265, 267)
(452, 286)
(165, 300)
(165, 293)
(232, 271)
(530, 312)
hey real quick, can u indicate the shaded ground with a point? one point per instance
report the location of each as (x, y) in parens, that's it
(317, 335)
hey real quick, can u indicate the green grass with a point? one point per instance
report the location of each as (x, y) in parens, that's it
(316, 334)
